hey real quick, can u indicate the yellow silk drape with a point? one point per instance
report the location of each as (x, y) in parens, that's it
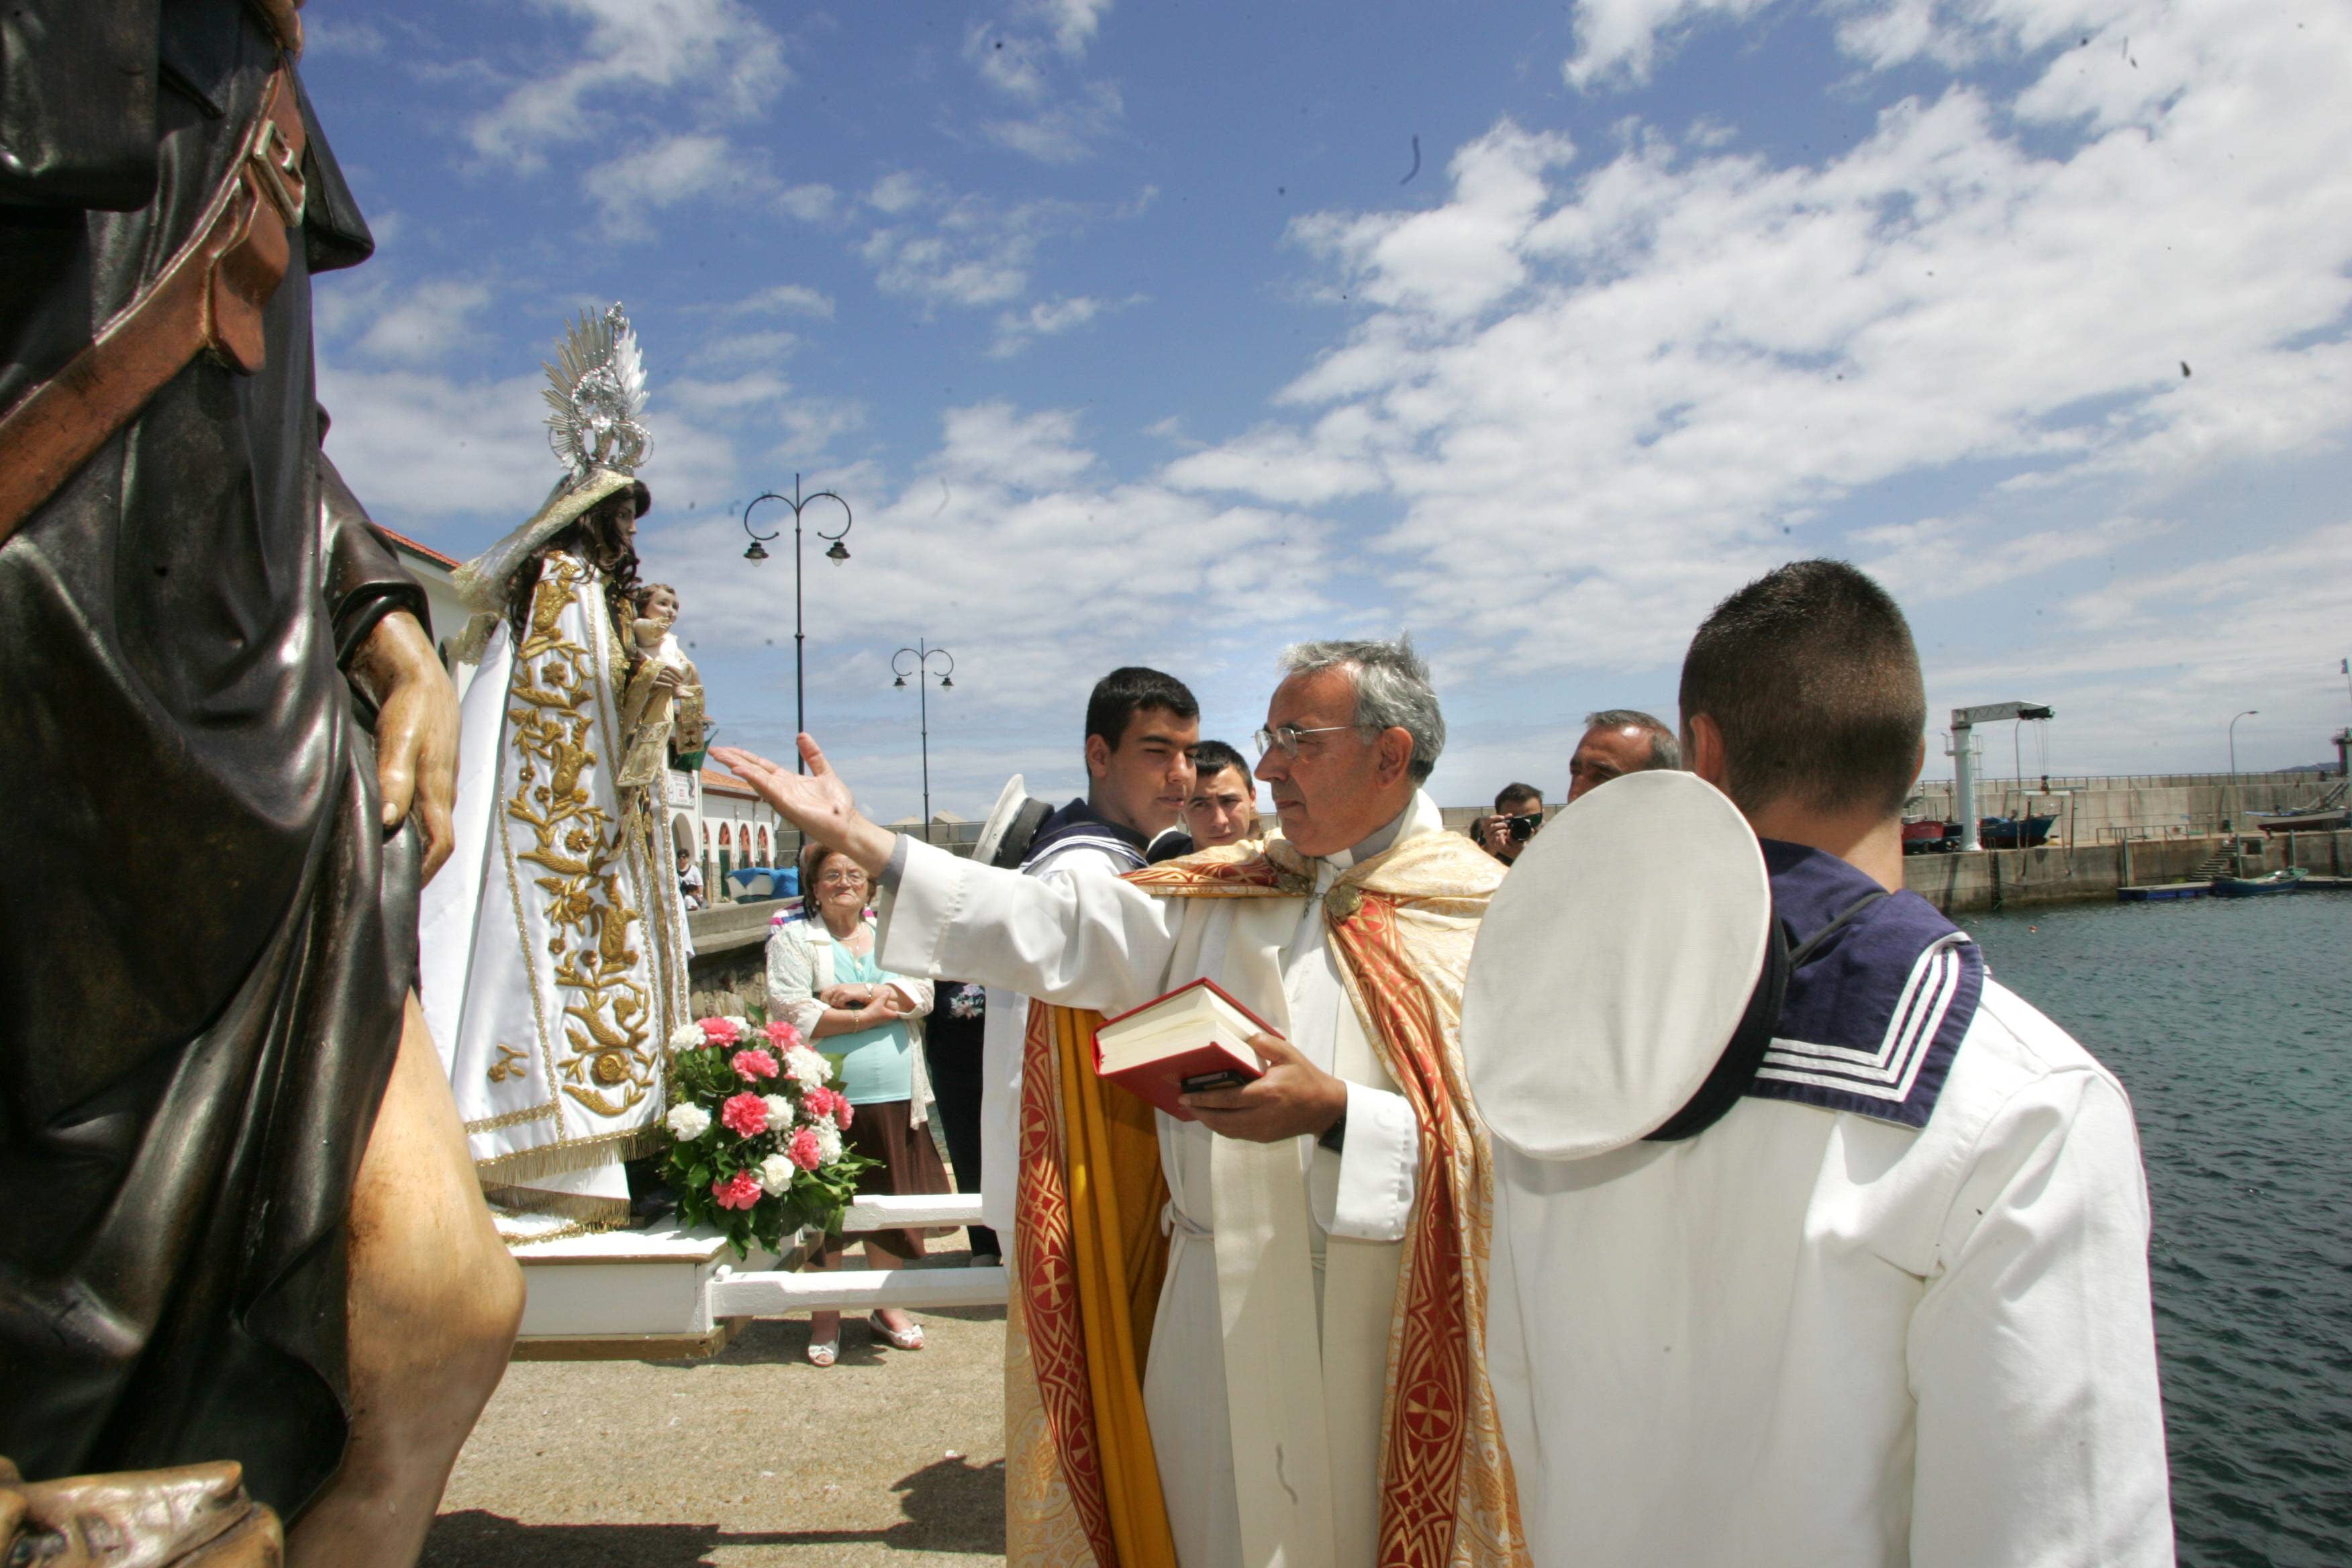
(1117, 1189)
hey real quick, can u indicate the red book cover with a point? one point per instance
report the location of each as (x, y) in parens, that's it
(1160, 1080)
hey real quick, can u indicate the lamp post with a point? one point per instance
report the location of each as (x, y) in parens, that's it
(838, 553)
(2231, 825)
(922, 654)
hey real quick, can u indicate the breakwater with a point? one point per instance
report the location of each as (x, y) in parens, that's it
(2080, 873)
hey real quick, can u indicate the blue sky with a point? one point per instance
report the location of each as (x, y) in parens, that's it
(1172, 332)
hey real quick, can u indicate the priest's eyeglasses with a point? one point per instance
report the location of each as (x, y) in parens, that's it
(1288, 737)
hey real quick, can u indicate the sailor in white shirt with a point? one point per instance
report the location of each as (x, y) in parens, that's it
(1853, 1274)
(1141, 726)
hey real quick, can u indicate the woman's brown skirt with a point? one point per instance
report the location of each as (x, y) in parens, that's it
(909, 1164)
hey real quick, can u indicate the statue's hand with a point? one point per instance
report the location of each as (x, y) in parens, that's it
(415, 731)
(817, 803)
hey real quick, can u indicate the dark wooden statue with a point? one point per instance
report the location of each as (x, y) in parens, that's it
(195, 1517)
(236, 1219)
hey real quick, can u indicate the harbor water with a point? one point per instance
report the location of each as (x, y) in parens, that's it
(2229, 1022)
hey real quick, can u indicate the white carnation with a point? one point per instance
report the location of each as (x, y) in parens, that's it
(776, 1173)
(780, 1112)
(689, 1038)
(810, 1068)
(744, 1033)
(688, 1122)
(828, 1142)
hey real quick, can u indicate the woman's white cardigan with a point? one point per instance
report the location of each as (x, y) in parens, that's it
(800, 964)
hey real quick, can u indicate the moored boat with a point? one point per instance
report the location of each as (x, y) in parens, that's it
(2281, 881)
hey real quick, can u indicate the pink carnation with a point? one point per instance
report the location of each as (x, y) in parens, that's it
(754, 1063)
(739, 1190)
(781, 1035)
(804, 1149)
(719, 1032)
(744, 1114)
(842, 1111)
(817, 1103)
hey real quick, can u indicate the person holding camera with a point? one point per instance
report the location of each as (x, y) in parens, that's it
(1519, 812)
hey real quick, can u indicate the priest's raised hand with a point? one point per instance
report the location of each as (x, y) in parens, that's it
(818, 802)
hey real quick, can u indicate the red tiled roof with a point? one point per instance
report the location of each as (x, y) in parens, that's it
(727, 783)
(413, 548)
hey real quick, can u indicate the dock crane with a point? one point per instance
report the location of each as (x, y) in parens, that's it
(1964, 771)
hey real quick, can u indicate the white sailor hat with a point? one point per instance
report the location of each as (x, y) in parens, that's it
(1628, 973)
(1012, 825)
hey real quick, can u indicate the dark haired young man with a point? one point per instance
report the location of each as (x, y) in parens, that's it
(1893, 1307)
(1141, 727)
(1223, 807)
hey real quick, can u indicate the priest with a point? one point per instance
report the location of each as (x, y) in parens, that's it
(1813, 1243)
(1298, 1272)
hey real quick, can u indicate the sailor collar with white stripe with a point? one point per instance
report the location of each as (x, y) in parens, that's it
(1648, 965)
(1079, 826)
(1873, 1017)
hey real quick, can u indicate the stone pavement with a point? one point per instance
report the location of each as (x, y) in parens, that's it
(750, 1459)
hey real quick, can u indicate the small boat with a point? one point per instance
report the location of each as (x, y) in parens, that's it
(2015, 833)
(2322, 821)
(2327, 813)
(2284, 881)
(1927, 838)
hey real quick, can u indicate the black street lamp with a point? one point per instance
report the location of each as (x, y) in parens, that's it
(838, 553)
(920, 669)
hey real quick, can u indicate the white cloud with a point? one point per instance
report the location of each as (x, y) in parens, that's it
(674, 169)
(1619, 38)
(1648, 377)
(341, 34)
(1030, 54)
(785, 300)
(1043, 592)
(966, 251)
(716, 56)
(1016, 329)
(898, 192)
(423, 325)
(809, 202)
(1065, 132)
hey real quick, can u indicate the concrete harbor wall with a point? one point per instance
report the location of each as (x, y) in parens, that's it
(2106, 809)
(2060, 874)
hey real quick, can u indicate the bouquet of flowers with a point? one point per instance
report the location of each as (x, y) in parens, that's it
(756, 1127)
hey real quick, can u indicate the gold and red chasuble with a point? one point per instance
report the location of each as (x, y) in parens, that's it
(1083, 1485)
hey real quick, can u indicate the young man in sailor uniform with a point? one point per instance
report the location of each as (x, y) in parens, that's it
(1141, 727)
(1889, 1304)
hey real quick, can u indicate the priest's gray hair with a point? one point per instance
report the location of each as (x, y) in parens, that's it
(1392, 689)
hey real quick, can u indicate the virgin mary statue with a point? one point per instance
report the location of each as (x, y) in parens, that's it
(554, 946)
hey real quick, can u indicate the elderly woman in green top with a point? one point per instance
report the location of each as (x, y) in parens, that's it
(821, 978)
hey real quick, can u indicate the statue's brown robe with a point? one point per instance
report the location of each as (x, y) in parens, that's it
(207, 937)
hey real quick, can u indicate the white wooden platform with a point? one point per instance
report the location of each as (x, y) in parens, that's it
(665, 1294)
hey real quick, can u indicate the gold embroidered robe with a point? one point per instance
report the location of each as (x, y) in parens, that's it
(552, 943)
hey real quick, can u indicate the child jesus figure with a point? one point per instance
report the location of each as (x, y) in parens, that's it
(663, 704)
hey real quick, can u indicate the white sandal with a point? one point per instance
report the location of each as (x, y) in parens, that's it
(908, 1339)
(824, 1352)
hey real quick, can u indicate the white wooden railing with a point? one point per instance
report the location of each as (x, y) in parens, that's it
(771, 1293)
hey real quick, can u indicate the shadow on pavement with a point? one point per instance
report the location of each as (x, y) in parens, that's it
(951, 1505)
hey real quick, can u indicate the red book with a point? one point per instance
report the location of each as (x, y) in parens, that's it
(1195, 1037)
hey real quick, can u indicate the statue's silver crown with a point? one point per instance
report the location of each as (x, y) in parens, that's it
(597, 389)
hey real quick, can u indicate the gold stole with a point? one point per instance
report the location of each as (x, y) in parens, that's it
(1082, 1482)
